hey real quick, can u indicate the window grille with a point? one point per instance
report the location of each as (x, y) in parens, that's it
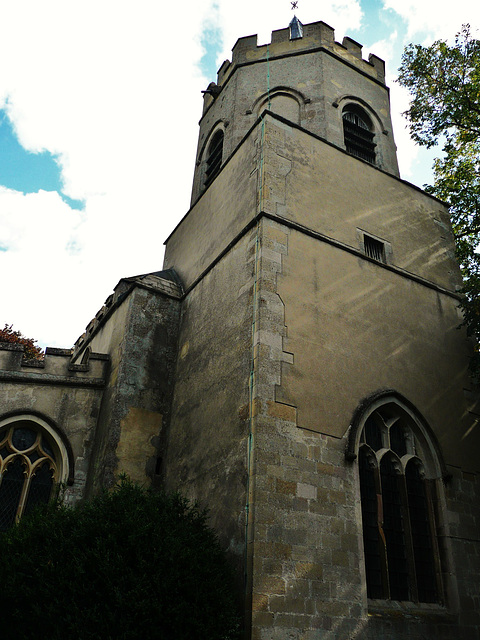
(214, 158)
(358, 136)
(28, 471)
(374, 248)
(401, 553)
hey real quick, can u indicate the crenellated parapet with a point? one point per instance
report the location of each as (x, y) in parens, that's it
(56, 368)
(303, 75)
(315, 35)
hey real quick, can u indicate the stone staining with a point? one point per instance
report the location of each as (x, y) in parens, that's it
(296, 366)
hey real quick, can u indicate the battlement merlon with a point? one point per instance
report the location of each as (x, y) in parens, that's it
(56, 367)
(315, 35)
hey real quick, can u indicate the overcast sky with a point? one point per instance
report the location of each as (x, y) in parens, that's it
(99, 109)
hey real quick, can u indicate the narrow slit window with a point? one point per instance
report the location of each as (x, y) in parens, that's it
(214, 158)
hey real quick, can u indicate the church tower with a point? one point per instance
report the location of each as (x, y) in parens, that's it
(320, 101)
(322, 406)
(297, 366)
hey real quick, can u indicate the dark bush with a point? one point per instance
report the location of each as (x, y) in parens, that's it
(128, 564)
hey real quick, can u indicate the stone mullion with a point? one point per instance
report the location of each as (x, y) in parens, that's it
(26, 485)
(410, 553)
(381, 535)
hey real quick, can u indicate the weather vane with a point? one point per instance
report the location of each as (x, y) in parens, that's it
(294, 4)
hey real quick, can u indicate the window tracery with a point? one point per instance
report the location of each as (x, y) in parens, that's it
(399, 533)
(29, 469)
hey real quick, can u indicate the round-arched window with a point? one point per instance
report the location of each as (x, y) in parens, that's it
(358, 133)
(31, 464)
(214, 157)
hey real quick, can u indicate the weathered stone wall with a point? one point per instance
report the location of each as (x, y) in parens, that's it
(359, 328)
(67, 396)
(217, 219)
(208, 435)
(331, 326)
(308, 575)
(330, 192)
(305, 539)
(141, 338)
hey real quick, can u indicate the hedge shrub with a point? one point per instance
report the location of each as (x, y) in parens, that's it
(128, 564)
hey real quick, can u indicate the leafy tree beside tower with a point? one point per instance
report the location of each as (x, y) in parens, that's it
(31, 351)
(444, 82)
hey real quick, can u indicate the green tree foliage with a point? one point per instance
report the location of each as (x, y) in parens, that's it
(31, 351)
(128, 564)
(444, 81)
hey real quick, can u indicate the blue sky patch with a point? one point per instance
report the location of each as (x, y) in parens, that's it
(212, 42)
(379, 23)
(28, 172)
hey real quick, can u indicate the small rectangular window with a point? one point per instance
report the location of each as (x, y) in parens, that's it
(374, 248)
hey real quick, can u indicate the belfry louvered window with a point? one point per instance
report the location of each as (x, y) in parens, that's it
(400, 545)
(374, 248)
(28, 470)
(358, 134)
(214, 157)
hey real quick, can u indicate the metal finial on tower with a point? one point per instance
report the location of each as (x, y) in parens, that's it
(296, 28)
(294, 4)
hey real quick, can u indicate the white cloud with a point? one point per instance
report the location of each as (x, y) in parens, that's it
(39, 266)
(432, 19)
(251, 17)
(407, 152)
(30, 220)
(113, 88)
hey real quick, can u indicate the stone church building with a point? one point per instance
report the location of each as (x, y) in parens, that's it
(297, 365)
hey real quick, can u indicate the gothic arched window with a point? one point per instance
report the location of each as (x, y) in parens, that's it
(399, 530)
(358, 133)
(31, 464)
(214, 157)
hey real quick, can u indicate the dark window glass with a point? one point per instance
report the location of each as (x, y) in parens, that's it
(33, 456)
(23, 438)
(11, 488)
(17, 479)
(421, 534)
(373, 434)
(371, 539)
(398, 520)
(394, 531)
(398, 442)
(41, 486)
(46, 447)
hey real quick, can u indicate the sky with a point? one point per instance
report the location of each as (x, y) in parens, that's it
(99, 109)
